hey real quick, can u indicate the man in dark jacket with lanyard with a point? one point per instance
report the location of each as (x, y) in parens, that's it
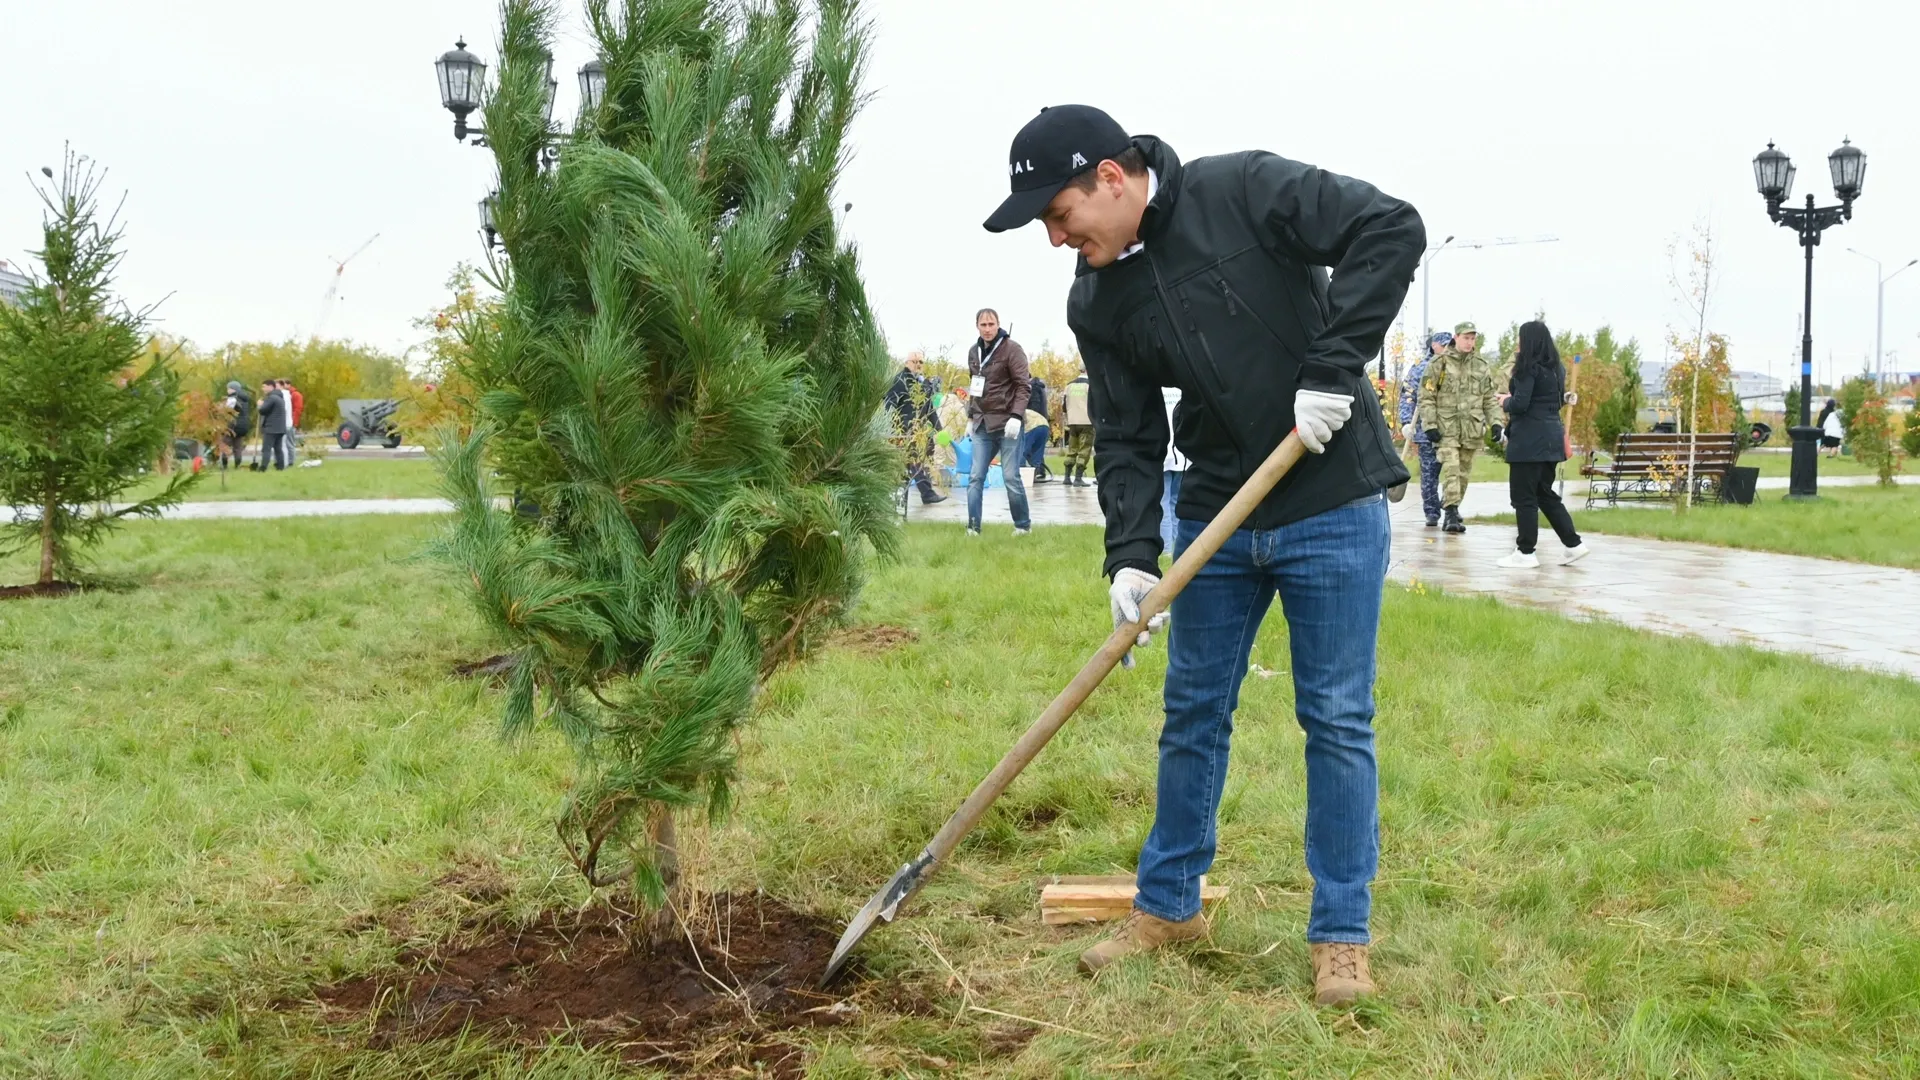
(1211, 276)
(997, 398)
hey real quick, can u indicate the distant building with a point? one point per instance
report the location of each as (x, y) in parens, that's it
(12, 285)
(1751, 386)
(1747, 385)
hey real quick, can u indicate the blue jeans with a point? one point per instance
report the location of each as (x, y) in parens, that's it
(1033, 445)
(1169, 498)
(1329, 571)
(985, 445)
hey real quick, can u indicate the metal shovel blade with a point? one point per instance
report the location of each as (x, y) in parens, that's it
(884, 905)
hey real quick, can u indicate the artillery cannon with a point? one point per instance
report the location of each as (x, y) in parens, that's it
(367, 418)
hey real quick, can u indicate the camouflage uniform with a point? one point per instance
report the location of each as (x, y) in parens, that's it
(1429, 459)
(1457, 398)
(1079, 431)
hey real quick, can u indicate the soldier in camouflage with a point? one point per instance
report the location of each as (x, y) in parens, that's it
(1079, 430)
(1456, 408)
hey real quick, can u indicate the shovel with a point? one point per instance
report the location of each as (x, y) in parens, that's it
(886, 903)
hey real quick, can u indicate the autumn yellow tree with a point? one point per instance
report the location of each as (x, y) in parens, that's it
(1057, 369)
(438, 393)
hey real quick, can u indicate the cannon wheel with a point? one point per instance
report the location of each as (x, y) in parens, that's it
(390, 442)
(348, 436)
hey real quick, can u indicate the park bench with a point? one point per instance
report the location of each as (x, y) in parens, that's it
(1654, 465)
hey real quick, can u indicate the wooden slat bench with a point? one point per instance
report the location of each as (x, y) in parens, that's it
(1653, 465)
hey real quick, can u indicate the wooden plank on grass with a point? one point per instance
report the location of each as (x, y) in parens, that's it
(1066, 899)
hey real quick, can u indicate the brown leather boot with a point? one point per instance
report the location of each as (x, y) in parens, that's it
(1141, 933)
(1340, 974)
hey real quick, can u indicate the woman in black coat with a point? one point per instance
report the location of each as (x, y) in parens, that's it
(1536, 445)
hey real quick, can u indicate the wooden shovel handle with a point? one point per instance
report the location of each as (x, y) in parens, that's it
(1224, 525)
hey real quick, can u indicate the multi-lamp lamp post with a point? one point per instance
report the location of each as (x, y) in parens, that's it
(463, 76)
(1773, 174)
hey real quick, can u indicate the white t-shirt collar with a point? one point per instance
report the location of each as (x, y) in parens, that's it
(1153, 187)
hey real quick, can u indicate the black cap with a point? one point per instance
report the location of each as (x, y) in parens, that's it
(1056, 146)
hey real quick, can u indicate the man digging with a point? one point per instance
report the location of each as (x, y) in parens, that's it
(1211, 276)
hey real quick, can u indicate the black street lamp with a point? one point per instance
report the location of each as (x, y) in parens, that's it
(1773, 174)
(488, 231)
(593, 85)
(463, 78)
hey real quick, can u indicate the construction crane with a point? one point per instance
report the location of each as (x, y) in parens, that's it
(333, 287)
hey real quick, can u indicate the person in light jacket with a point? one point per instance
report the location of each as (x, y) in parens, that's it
(1833, 431)
(1171, 470)
(1536, 445)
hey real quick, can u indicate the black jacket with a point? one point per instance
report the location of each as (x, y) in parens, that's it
(242, 423)
(910, 400)
(273, 413)
(1231, 303)
(1535, 433)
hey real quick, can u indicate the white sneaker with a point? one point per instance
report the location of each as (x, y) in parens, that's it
(1021, 532)
(1576, 553)
(1520, 560)
(973, 532)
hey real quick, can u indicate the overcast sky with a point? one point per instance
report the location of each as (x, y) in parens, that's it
(255, 141)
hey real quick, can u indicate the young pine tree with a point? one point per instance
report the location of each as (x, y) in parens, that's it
(681, 388)
(84, 413)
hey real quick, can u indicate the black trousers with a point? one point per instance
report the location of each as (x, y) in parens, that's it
(1530, 483)
(919, 452)
(273, 447)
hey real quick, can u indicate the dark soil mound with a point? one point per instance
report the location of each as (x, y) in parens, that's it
(23, 592)
(717, 996)
(871, 637)
(499, 666)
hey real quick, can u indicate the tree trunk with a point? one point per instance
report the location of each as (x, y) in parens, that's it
(47, 511)
(666, 858)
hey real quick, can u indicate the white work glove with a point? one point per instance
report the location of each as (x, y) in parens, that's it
(1570, 398)
(1013, 428)
(1316, 416)
(1129, 587)
(1407, 432)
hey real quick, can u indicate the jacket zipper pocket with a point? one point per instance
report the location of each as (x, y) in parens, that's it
(1234, 302)
(1212, 394)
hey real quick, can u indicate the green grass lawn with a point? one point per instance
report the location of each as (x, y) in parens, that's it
(334, 478)
(1673, 859)
(1859, 524)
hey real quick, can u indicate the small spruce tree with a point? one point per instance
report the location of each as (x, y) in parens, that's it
(85, 411)
(682, 387)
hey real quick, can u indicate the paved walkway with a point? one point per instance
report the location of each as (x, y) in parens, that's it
(1722, 595)
(285, 508)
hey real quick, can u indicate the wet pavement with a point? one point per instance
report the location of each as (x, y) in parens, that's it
(1787, 603)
